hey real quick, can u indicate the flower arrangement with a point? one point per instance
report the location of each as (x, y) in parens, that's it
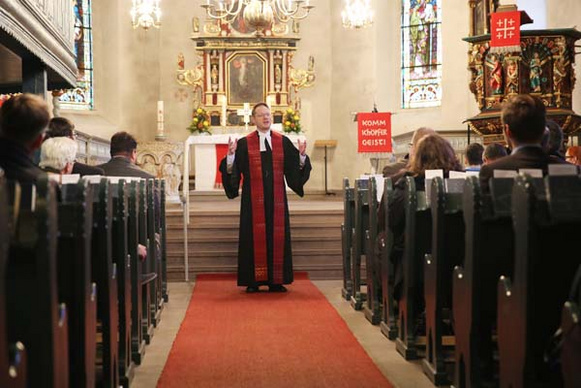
(291, 121)
(200, 122)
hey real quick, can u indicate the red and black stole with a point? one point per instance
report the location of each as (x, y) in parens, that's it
(257, 200)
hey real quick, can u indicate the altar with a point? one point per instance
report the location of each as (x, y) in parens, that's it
(208, 152)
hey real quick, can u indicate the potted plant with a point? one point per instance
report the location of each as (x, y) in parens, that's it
(200, 122)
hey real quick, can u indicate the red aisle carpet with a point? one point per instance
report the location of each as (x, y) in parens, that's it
(232, 339)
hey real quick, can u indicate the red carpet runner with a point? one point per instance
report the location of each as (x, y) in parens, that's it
(232, 339)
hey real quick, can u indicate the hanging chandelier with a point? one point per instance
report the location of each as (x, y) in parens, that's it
(357, 14)
(259, 14)
(146, 14)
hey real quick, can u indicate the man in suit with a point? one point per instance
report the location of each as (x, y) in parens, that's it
(23, 120)
(62, 127)
(523, 119)
(123, 157)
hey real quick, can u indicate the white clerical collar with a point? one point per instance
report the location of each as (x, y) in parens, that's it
(261, 137)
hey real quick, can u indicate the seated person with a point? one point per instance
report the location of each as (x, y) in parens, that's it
(523, 118)
(555, 143)
(123, 157)
(492, 152)
(397, 169)
(57, 156)
(23, 120)
(573, 155)
(431, 153)
(473, 157)
(62, 127)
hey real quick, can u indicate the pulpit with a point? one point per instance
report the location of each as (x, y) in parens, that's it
(543, 67)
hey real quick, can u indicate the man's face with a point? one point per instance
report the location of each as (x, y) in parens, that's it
(262, 118)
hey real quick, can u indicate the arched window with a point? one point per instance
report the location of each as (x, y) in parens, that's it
(421, 60)
(81, 97)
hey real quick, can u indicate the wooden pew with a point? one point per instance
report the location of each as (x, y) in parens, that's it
(157, 194)
(34, 315)
(372, 308)
(418, 242)
(105, 275)
(153, 260)
(447, 252)
(147, 276)
(12, 354)
(360, 225)
(133, 226)
(121, 258)
(163, 231)
(346, 235)
(545, 261)
(388, 323)
(488, 254)
(571, 332)
(75, 282)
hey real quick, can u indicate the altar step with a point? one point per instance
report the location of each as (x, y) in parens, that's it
(213, 236)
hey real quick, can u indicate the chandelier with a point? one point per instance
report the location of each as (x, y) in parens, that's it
(145, 14)
(259, 14)
(357, 14)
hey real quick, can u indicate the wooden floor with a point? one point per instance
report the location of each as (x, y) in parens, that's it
(213, 235)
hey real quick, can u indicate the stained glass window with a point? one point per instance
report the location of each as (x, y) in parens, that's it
(421, 60)
(81, 97)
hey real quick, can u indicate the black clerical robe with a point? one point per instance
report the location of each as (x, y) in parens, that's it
(295, 177)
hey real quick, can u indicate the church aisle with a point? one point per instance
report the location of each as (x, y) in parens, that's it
(396, 369)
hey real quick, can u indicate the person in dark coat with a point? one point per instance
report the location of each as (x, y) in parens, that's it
(23, 121)
(123, 157)
(63, 127)
(264, 159)
(524, 119)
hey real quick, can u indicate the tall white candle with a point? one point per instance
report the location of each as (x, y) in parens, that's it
(160, 128)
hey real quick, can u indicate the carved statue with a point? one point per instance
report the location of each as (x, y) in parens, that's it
(495, 81)
(214, 74)
(277, 74)
(149, 165)
(181, 61)
(560, 65)
(512, 77)
(171, 172)
(535, 72)
(195, 24)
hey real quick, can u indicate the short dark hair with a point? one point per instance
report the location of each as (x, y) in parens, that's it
(258, 105)
(555, 137)
(474, 154)
(122, 143)
(60, 127)
(23, 117)
(494, 151)
(525, 116)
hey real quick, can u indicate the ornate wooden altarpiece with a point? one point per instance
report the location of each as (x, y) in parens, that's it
(239, 65)
(543, 67)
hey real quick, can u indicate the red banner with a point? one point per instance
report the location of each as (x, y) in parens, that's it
(505, 29)
(374, 132)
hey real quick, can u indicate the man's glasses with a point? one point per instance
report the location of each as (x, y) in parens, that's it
(261, 115)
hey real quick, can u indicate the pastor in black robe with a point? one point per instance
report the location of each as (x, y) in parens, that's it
(295, 175)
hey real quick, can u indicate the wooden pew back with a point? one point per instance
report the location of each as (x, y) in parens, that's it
(346, 235)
